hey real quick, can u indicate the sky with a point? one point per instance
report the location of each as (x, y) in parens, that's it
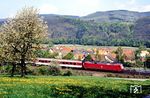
(9, 8)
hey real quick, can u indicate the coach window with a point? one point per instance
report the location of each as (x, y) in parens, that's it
(40, 60)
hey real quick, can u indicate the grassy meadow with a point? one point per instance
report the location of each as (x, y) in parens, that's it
(69, 87)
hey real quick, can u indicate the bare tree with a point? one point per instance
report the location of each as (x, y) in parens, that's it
(20, 36)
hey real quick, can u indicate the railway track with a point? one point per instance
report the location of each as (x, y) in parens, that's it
(136, 72)
(125, 72)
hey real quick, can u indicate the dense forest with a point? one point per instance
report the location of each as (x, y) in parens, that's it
(110, 28)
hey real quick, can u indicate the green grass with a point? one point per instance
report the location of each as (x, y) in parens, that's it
(69, 87)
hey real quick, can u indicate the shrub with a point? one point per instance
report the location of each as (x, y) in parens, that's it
(69, 56)
(46, 70)
(6, 69)
(82, 73)
(127, 64)
(147, 62)
(88, 58)
(54, 70)
(45, 54)
(43, 70)
(110, 75)
(139, 63)
(68, 73)
(71, 72)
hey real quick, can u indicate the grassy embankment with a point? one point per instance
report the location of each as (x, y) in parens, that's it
(69, 87)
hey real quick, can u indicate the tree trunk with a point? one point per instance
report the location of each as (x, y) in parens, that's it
(22, 72)
(25, 71)
(13, 69)
(22, 64)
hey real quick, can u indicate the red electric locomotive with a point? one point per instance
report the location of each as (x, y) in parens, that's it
(117, 67)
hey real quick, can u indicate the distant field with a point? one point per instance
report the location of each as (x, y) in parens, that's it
(69, 87)
(91, 47)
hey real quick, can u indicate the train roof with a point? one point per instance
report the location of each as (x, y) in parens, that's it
(62, 60)
(103, 62)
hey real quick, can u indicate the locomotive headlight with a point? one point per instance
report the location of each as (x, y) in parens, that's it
(121, 66)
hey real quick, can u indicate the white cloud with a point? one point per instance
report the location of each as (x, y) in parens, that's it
(88, 3)
(145, 8)
(132, 5)
(48, 9)
(131, 2)
(84, 7)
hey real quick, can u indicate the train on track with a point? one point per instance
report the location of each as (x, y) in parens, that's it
(114, 67)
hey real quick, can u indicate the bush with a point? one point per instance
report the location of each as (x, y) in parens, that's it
(127, 64)
(6, 69)
(69, 56)
(54, 70)
(110, 75)
(45, 54)
(68, 73)
(147, 62)
(43, 70)
(36, 70)
(88, 58)
(71, 72)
